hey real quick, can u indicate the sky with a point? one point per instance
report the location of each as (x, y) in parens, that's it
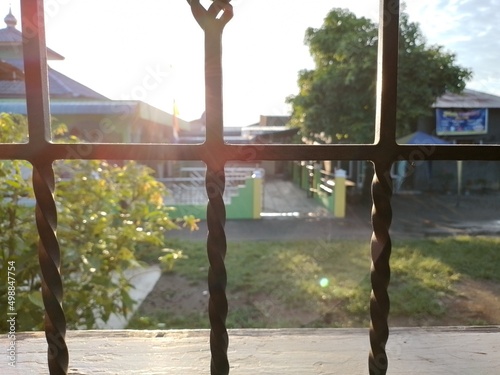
(152, 50)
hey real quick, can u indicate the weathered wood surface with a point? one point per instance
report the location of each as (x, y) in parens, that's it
(444, 350)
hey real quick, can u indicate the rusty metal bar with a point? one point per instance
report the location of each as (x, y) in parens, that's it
(484, 152)
(385, 137)
(380, 269)
(36, 76)
(37, 98)
(212, 21)
(387, 73)
(50, 260)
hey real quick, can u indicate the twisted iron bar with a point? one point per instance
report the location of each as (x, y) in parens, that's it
(217, 276)
(212, 21)
(50, 260)
(37, 100)
(380, 268)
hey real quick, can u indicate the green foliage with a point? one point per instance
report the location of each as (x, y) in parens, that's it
(106, 215)
(13, 129)
(169, 259)
(336, 100)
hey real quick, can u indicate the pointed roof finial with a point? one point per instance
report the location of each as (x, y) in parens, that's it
(10, 20)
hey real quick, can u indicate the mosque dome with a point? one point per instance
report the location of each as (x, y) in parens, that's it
(10, 20)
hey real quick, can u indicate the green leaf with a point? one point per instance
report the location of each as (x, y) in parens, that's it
(12, 183)
(35, 297)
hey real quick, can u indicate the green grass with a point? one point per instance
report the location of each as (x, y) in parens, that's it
(331, 279)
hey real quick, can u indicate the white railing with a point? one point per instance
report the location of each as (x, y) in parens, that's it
(190, 189)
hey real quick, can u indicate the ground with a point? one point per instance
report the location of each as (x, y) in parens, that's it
(475, 303)
(415, 216)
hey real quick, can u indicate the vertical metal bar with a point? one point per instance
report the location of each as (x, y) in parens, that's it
(213, 88)
(387, 79)
(217, 277)
(380, 269)
(49, 257)
(36, 73)
(37, 99)
(212, 22)
(385, 137)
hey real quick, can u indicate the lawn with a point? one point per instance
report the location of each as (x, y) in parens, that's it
(326, 284)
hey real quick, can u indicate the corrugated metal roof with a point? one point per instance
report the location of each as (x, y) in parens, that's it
(11, 89)
(468, 99)
(60, 86)
(11, 45)
(10, 36)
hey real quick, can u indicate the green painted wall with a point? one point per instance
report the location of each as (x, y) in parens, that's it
(304, 178)
(335, 203)
(325, 199)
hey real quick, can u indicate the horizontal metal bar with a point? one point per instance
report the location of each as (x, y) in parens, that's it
(250, 152)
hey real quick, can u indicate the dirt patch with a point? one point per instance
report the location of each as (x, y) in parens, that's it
(473, 303)
(275, 313)
(477, 302)
(177, 295)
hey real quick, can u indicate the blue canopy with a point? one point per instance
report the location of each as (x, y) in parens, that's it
(417, 138)
(421, 138)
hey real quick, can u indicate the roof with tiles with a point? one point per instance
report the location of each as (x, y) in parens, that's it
(11, 41)
(468, 99)
(60, 86)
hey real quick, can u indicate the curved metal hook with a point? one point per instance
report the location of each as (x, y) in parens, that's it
(209, 18)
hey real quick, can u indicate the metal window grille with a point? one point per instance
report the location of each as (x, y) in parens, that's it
(41, 152)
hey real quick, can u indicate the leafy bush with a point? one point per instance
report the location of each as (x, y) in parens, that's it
(106, 214)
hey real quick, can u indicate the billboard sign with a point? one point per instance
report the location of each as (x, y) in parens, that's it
(461, 121)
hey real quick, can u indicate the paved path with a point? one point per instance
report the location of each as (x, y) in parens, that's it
(288, 214)
(282, 198)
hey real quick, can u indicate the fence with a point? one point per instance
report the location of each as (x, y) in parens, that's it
(326, 188)
(243, 195)
(215, 152)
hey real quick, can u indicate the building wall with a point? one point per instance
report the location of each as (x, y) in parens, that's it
(494, 126)
(441, 176)
(478, 177)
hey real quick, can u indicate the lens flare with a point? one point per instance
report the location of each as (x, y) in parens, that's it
(324, 282)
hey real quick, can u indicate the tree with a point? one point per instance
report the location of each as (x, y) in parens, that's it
(336, 100)
(106, 215)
